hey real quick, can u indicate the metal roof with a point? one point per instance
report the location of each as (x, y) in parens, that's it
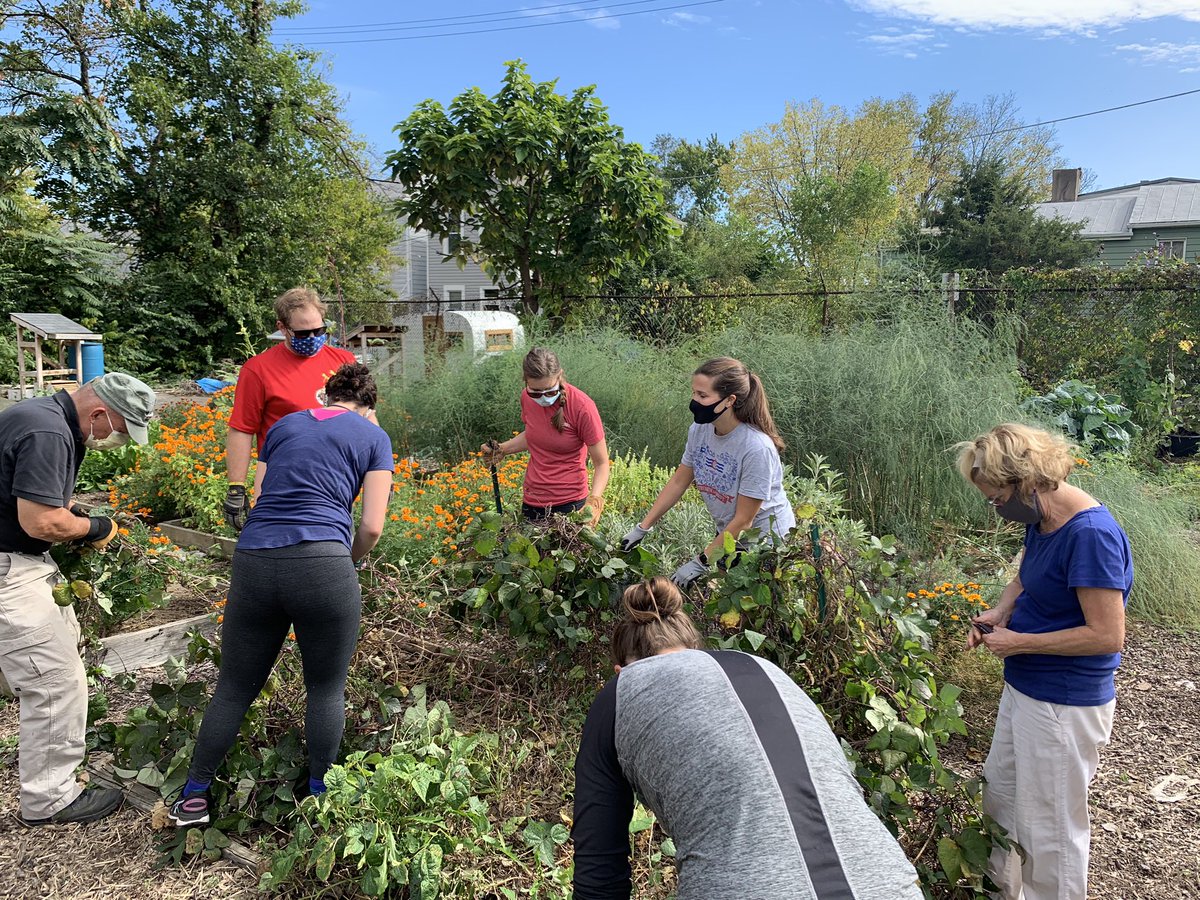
(1104, 218)
(56, 327)
(1106, 214)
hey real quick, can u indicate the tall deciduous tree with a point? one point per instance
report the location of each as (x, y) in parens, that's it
(551, 195)
(232, 176)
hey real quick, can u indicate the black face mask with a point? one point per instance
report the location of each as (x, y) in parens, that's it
(1015, 509)
(705, 414)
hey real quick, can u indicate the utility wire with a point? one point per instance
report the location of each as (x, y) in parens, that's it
(574, 21)
(500, 15)
(1007, 130)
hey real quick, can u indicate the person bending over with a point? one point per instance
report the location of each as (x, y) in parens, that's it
(737, 763)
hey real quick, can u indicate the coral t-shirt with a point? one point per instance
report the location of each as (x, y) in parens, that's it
(279, 382)
(557, 470)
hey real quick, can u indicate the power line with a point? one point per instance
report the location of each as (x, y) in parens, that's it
(499, 15)
(597, 17)
(1007, 130)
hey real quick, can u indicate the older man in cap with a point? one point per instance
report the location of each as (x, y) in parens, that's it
(42, 443)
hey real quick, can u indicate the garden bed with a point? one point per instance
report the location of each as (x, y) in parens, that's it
(193, 539)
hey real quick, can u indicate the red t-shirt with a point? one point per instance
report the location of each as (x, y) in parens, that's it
(279, 382)
(557, 470)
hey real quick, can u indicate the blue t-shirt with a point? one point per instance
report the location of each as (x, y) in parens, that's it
(1090, 550)
(315, 469)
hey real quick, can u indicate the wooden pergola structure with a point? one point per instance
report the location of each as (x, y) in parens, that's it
(63, 331)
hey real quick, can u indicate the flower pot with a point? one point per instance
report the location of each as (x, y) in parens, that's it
(1183, 443)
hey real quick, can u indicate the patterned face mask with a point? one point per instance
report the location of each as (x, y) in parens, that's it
(309, 346)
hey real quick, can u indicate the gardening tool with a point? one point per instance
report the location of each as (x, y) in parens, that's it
(494, 446)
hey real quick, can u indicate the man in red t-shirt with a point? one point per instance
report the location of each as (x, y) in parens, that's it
(285, 379)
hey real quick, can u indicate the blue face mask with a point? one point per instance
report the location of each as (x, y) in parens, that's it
(548, 399)
(309, 346)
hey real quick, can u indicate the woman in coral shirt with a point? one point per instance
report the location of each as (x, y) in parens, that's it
(562, 430)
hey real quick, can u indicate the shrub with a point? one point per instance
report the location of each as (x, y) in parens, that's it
(1097, 422)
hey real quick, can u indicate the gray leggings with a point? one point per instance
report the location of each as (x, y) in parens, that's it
(313, 589)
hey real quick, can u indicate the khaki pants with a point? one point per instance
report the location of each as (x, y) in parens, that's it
(39, 656)
(1043, 757)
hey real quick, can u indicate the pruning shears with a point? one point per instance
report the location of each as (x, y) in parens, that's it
(494, 446)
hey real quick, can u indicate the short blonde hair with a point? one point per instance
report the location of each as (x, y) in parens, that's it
(1031, 458)
(297, 298)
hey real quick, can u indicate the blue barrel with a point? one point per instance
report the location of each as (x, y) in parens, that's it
(93, 360)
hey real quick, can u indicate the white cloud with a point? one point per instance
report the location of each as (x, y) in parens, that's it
(896, 42)
(686, 18)
(598, 18)
(1185, 57)
(1057, 15)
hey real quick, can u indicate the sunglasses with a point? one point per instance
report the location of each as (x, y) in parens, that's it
(308, 332)
(536, 394)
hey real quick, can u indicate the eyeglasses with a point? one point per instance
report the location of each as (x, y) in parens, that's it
(536, 394)
(308, 332)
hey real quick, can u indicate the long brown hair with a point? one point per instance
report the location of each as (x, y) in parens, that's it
(731, 377)
(654, 621)
(542, 363)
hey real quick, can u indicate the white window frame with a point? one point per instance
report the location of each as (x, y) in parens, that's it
(483, 292)
(1165, 244)
(462, 296)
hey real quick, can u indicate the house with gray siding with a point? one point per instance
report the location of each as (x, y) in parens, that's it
(426, 276)
(1125, 221)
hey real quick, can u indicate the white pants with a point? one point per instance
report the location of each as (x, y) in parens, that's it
(1043, 757)
(39, 656)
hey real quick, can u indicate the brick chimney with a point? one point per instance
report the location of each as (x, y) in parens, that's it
(1065, 187)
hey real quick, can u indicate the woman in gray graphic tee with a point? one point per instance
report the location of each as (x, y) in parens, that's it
(732, 457)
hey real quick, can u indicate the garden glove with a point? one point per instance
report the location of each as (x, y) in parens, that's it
(634, 537)
(690, 571)
(595, 503)
(492, 454)
(101, 534)
(77, 510)
(235, 507)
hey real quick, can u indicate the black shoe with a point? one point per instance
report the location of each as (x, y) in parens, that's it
(191, 810)
(89, 806)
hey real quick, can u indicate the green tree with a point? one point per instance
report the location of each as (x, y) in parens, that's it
(691, 173)
(542, 188)
(231, 174)
(986, 222)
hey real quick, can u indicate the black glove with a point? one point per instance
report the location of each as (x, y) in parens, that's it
(235, 507)
(77, 510)
(102, 532)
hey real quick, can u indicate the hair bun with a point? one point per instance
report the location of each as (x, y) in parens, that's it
(654, 599)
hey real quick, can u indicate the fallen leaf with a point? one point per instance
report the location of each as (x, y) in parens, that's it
(1172, 788)
(159, 818)
(1143, 686)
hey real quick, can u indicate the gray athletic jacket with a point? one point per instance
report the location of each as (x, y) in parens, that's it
(743, 772)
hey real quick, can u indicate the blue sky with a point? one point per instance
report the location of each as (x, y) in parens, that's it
(730, 66)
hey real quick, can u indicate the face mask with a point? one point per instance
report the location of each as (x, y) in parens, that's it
(547, 400)
(112, 442)
(309, 346)
(705, 414)
(1015, 509)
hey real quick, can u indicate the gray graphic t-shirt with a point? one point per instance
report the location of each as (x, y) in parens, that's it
(744, 462)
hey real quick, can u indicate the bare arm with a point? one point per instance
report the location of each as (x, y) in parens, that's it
(598, 453)
(999, 614)
(743, 517)
(675, 487)
(1103, 630)
(50, 523)
(260, 475)
(377, 488)
(237, 455)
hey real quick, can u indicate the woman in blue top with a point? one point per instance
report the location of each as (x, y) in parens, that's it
(1059, 627)
(294, 569)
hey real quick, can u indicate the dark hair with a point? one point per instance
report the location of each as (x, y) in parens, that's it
(731, 377)
(654, 621)
(352, 383)
(542, 363)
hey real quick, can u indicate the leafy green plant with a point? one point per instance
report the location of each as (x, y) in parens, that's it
(1096, 421)
(98, 469)
(555, 582)
(390, 820)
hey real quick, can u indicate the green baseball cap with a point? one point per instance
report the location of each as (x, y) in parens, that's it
(129, 398)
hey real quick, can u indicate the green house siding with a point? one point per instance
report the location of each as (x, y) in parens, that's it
(1116, 253)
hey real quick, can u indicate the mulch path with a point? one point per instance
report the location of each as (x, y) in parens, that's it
(1143, 847)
